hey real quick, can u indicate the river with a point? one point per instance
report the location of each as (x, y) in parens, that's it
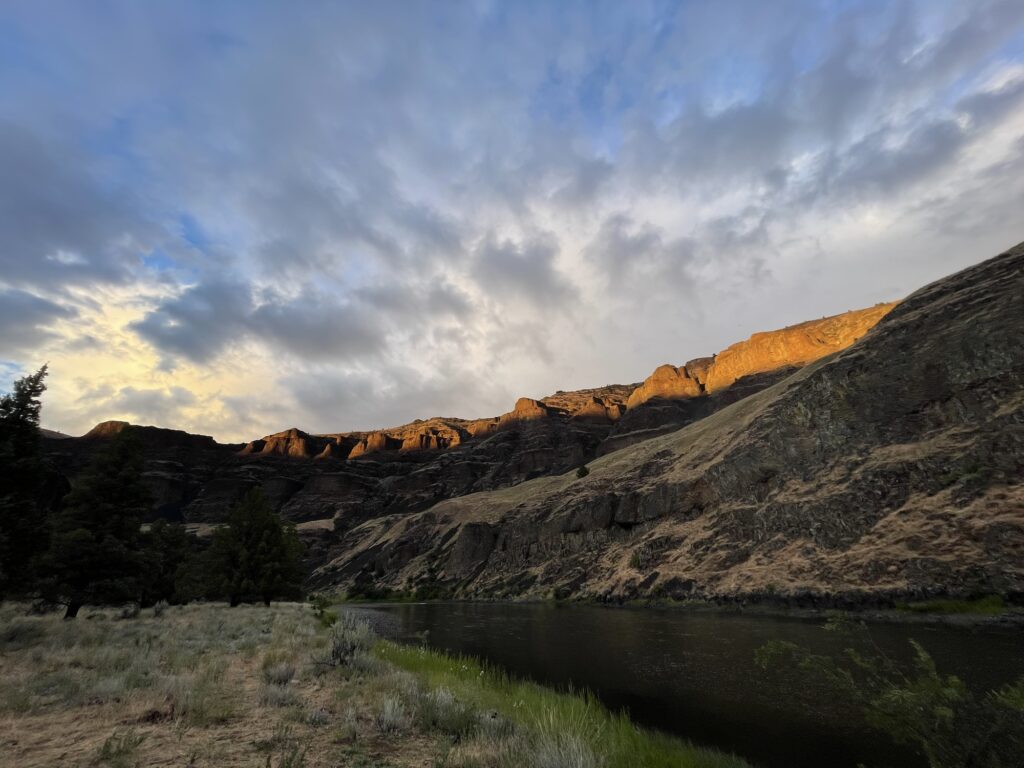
(693, 673)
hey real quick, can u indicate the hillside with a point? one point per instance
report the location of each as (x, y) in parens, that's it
(894, 467)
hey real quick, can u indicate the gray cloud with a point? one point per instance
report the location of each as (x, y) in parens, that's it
(640, 256)
(209, 317)
(59, 223)
(524, 270)
(200, 322)
(25, 320)
(161, 405)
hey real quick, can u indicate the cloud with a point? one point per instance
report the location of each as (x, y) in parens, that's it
(25, 322)
(162, 405)
(200, 322)
(337, 213)
(524, 270)
(60, 223)
(639, 255)
(205, 319)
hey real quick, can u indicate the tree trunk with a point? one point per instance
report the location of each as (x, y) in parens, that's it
(266, 601)
(233, 601)
(72, 610)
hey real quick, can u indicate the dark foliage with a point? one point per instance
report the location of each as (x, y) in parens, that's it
(169, 552)
(23, 476)
(938, 714)
(255, 557)
(96, 544)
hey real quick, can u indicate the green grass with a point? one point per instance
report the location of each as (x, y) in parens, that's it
(991, 605)
(543, 710)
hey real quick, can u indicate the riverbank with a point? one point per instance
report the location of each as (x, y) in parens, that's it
(205, 685)
(985, 611)
(576, 728)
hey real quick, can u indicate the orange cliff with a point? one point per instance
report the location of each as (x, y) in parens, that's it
(794, 346)
(790, 347)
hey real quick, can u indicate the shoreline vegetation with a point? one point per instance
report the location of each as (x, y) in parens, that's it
(980, 609)
(287, 686)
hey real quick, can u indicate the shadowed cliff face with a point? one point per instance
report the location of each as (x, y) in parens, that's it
(893, 467)
(332, 483)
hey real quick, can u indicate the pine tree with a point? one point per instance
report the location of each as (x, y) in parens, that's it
(255, 557)
(168, 549)
(22, 476)
(96, 545)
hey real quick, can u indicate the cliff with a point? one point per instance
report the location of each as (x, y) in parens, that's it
(894, 467)
(336, 484)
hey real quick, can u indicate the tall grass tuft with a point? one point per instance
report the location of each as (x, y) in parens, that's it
(118, 749)
(551, 726)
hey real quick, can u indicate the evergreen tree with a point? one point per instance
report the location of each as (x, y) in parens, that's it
(168, 550)
(22, 476)
(255, 557)
(96, 544)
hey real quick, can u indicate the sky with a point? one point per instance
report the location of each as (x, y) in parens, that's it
(238, 217)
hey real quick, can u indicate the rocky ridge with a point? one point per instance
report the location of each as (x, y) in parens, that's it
(892, 468)
(331, 484)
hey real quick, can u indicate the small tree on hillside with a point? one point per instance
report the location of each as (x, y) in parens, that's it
(96, 542)
(255, 556)
(22, 476)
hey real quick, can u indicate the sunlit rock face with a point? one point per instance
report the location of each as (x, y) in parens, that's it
(790, 347)
(793, 346)
(526, 410)
(889, 470)
(667, 382)
(291, 442)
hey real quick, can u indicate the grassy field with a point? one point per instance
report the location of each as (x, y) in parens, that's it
(205, 685)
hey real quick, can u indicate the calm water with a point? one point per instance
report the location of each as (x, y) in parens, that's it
(693, 674)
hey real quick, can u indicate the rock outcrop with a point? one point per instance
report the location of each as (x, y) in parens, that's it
(894, 468)
(667, 382)
(793, 346)
(766, 352)
(525, 410)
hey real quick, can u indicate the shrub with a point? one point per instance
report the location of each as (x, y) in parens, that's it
(582, 472)
(282, 736)
(392, 717)
(278, 673)
(117, 750)
(294, 757)
(439, 710)
(316, 717)
(349, 726)
(279, 696)
(349, 638)
(21, 633)
(200, 699)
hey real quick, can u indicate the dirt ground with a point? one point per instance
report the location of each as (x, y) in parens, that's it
(190, 688)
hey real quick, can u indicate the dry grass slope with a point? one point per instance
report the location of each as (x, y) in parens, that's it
(206, 685)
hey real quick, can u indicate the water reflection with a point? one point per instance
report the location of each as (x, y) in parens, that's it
(694, 673)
